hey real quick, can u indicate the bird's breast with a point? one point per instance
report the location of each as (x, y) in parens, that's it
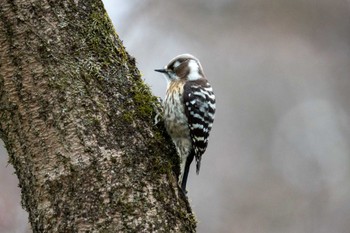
(174, 112)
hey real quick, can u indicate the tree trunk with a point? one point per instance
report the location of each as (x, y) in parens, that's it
(77, 122)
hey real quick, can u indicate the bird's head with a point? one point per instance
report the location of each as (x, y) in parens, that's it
(183, 67)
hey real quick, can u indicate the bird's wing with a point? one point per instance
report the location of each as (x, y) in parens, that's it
(199, 102)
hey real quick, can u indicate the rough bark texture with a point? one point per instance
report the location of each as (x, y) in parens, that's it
(77, 122)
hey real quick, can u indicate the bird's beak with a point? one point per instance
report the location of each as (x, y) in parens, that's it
(161, 71)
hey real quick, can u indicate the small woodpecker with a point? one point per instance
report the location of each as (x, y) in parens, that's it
(189, 110)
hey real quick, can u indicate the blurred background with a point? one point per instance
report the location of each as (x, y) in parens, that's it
(279, 154)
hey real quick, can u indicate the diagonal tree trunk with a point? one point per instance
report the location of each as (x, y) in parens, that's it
(77, 122)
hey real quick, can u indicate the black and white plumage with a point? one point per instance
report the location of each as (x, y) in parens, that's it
(189, 110)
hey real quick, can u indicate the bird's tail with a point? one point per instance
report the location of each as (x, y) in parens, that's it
(186, 170)
(198, 163)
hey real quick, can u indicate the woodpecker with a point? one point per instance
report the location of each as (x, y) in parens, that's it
(189, 110)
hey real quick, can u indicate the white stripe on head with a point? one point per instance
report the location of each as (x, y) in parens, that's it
(194, 70)
(177, 63)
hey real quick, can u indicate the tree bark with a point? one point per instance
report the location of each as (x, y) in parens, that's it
(77, 122)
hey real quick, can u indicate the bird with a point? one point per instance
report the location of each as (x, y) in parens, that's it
(188, 110)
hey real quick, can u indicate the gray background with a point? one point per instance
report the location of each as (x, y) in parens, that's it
(278, 157)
